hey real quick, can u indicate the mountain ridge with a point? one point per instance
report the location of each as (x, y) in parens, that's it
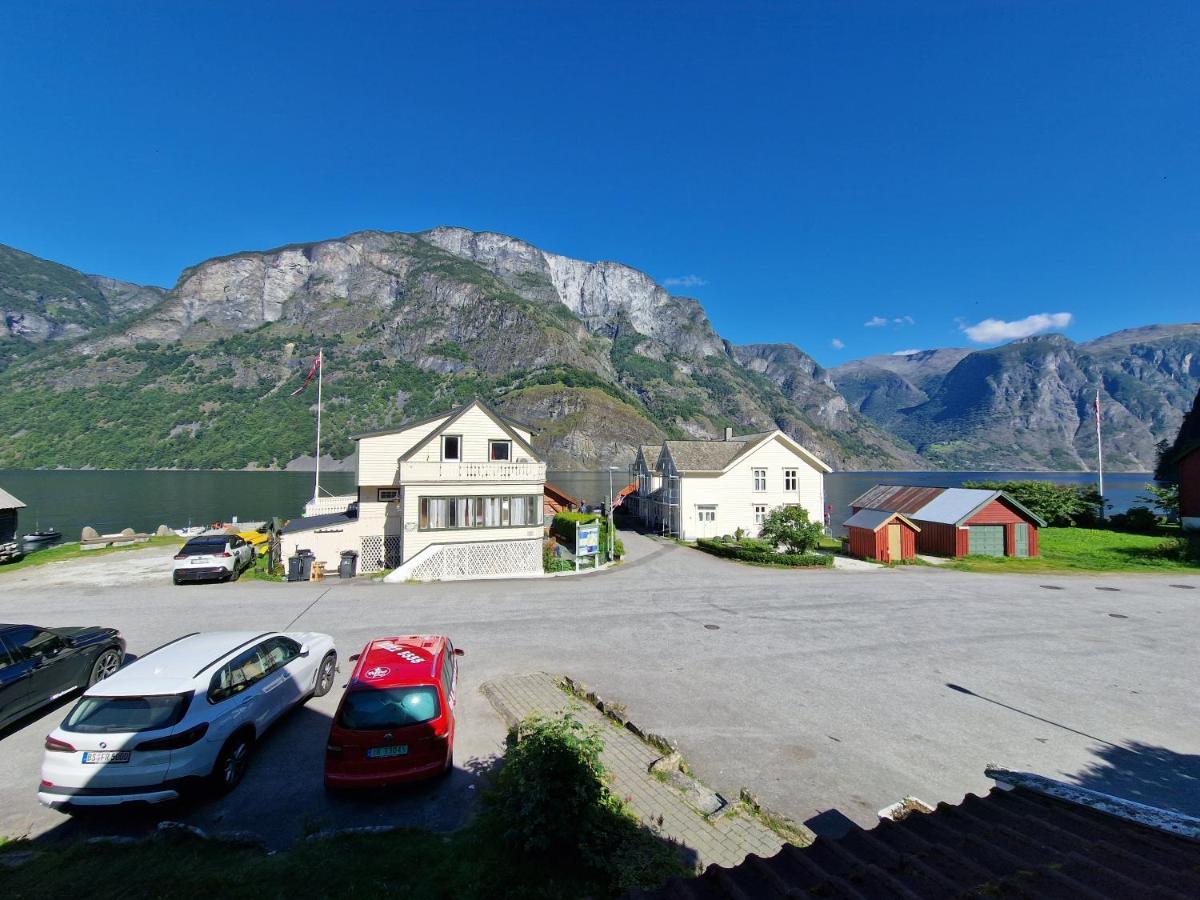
(596, 354)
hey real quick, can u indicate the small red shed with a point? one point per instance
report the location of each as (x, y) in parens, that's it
(556, 500)
(1189, 488)
(882, 535)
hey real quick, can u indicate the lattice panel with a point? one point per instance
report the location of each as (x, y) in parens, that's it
(378, 553)
(475, 560)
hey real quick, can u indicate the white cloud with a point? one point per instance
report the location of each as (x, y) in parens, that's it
(993, 331)
(875, 322)
(904, 320)
(906, 352)
(880, 321)
(837, 344)
(685, 281)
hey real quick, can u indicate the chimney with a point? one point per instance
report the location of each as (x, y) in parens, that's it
(729, 432)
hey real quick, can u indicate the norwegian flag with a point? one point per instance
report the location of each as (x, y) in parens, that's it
(311, 372)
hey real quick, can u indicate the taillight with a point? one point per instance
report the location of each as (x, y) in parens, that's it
(53, 743)
(227, 554)
(181, 556)
(176, 741)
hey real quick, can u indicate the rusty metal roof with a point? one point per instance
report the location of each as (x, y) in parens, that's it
(874, 519)
(899, 498)
(1015, 842)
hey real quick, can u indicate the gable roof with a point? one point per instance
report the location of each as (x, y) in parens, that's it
(717, 456)
(874, 519)
(8, 501)
(425, 420)
(940, 505)
(649, 453)
(462, 411)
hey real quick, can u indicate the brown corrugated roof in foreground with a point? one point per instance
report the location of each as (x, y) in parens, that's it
(1008, 843)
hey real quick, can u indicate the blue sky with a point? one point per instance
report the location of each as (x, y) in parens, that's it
(803, 169)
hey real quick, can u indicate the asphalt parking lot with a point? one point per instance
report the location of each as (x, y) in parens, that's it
(830, 694)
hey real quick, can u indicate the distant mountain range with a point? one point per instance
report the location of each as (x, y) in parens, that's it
(596, 356)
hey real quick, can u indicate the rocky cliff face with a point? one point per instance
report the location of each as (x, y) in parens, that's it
(1028, 404)
(43, 301)
(596, 355)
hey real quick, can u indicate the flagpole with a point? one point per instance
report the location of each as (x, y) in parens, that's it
(1099, 454)
(320, 377)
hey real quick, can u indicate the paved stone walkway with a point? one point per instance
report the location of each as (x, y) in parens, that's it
(725, 839)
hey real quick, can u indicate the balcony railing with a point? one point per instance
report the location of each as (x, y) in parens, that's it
(472, 471)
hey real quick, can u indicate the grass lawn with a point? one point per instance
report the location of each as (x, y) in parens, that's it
(1088, 550)
(73, 551)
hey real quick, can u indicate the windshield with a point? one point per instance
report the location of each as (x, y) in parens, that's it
(198, 548)
(107, 715)
(389, 707)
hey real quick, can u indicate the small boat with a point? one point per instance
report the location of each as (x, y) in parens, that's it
(42, 537)
(190, 531)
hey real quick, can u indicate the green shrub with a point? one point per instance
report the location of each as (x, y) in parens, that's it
(552, 807)
(1058, 505)
(758, 552)
(1139, 519)
(789, 526)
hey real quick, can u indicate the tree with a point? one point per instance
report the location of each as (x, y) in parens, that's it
(1057, 504)
(1165, 499)
(789, 526)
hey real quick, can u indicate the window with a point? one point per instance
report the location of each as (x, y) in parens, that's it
(386, 495)
(760, 513)
(760, 479)
(27, 643)
(500, 451)
(279, 651)
(238, 675)
(112, 715)
(451, 447)
(521, 511)
(375, 709)
(789, 479)
(706, 513)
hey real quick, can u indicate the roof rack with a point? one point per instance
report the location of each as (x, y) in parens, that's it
(231, 652)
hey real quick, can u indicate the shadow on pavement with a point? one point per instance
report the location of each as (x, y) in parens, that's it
(1145, 774)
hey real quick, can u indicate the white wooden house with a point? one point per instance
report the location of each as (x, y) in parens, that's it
(701, 489)
(456, 495)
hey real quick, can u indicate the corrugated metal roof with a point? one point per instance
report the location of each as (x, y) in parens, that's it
(1008, 843)
(874, 519)
(900, 498)
(954, 504)
(8, 501)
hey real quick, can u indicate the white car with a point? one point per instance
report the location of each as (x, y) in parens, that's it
(220, 556)
(185, 714)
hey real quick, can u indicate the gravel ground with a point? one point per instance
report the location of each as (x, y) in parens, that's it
(830, 694)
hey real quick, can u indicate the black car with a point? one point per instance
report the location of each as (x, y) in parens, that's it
(39, 665)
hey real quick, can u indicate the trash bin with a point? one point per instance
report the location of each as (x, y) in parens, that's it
(300, 566)
(348, 567)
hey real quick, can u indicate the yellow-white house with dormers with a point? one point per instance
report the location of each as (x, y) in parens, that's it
(456, 495)
(699, 489)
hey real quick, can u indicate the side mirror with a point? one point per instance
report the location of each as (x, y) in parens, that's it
(459, 651)
(354, 656)
(304, 650)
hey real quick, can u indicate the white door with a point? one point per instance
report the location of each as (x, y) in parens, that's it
(706, 519)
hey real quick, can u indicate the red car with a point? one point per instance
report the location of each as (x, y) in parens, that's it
(396, 720)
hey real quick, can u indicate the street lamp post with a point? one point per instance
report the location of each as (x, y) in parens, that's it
(611, 541)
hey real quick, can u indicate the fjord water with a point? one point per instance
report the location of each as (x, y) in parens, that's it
(143, 500)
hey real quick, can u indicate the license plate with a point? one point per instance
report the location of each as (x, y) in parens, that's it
(106, 756)
(200, 561)
(378, 752)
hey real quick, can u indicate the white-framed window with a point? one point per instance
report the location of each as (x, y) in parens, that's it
(500, 451)
(789, 479)
(760, 479)
(451, 447)
(760, 513)
(706, 514)
(386, 495)
(521, 511)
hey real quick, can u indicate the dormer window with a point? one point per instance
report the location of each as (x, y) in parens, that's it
(451, 448)
(499, 451)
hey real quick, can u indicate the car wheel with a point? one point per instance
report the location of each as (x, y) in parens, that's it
(106, 664)
(326, 675)
(232, 762)
(177, 580)
(236, 573)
